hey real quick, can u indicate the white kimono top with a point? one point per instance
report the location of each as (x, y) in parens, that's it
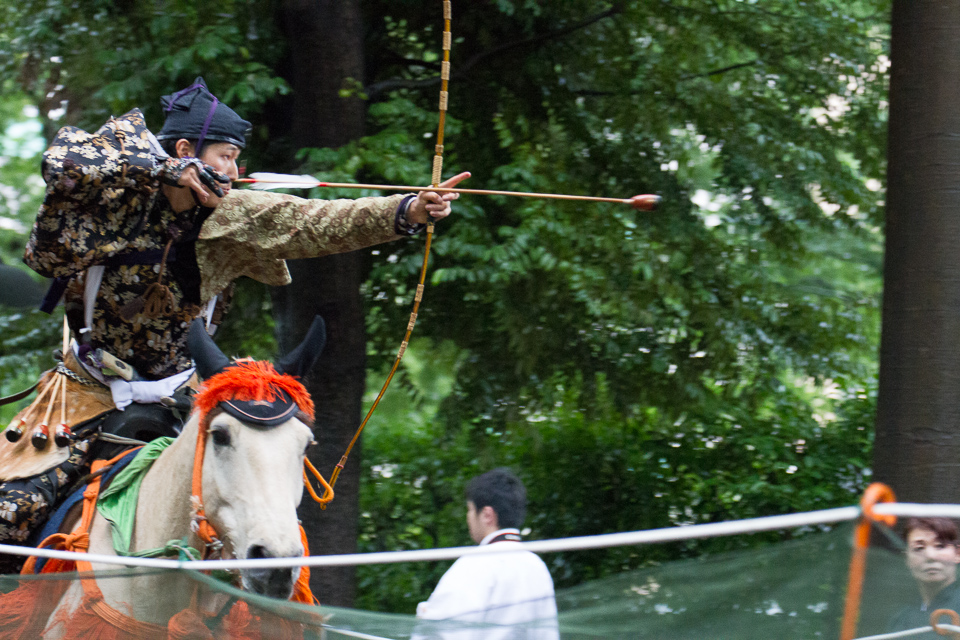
(496, 589)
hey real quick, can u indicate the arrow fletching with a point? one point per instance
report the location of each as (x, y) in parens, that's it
(266, 181)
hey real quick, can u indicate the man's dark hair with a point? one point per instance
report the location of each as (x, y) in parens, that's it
(170, 146)
(504, 492)
(945, 529)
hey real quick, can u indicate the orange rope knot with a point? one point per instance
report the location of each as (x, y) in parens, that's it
(77, 541)
(876, 493)
(954, 620)
(327, 489)
(202, 527)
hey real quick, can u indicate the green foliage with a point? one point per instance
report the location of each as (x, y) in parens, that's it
(27, 337)
(20, 146)
(27, 340)
(100, 58)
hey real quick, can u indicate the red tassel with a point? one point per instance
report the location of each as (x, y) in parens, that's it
(187, 625)
(24, 612)
(239, 624)
(86, 623)
(250, 380)
(301, 590)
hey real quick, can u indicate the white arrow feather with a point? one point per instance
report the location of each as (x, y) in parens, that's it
(266, 181)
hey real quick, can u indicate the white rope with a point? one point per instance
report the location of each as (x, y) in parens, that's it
(910, 632)
(716, 529)
(352, 634)
(736, 527)
(912, 510)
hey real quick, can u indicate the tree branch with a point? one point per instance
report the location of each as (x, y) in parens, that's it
(707, 74)
(717, 72)
(379, 88)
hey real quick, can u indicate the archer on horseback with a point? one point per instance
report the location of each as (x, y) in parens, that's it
(142, 235)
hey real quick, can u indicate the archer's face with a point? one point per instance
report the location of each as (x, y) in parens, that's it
(222, 156)
(931, 560)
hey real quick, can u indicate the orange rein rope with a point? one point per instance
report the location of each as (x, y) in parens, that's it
(327, 489)
(199, 523)
(79, 539)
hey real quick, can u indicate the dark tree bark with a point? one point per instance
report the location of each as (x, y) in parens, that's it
(917, 449)
(326, 49)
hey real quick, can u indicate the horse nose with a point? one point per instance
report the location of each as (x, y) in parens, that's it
(273, 582)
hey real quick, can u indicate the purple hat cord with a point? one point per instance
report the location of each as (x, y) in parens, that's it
(206, 124)
(213, 109)
(178, 94)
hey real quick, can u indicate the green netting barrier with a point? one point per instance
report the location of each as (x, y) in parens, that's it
(789, 590)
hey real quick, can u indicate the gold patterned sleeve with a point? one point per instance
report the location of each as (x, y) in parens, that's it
(251, 233)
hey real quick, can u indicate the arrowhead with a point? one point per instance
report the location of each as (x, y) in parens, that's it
(645, 202)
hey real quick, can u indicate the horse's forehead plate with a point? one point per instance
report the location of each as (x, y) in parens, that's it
(262, 413)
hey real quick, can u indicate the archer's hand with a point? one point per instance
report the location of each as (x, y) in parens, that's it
(430, 204)
(196, 176)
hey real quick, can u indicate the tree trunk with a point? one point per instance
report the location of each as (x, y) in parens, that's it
(326, 49)
(917, 446)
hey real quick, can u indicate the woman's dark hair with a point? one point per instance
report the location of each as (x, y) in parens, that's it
(944, 528)
(504, 492)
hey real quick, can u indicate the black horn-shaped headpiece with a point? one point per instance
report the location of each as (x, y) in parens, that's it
(211, 361)
(204, 351)
(299, 361)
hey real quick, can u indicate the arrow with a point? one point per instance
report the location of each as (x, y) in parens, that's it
(266, 181)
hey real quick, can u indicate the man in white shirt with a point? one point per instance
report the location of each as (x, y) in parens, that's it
(511, 593)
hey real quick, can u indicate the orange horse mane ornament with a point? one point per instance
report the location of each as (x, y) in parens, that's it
(255, 392)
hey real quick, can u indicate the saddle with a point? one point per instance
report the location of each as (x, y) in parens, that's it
(141, 422)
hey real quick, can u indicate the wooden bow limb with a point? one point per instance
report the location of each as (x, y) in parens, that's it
(261, 181)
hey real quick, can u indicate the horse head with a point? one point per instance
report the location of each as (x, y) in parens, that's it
(254, 422)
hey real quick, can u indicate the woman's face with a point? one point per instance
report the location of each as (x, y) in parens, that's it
(931, 560)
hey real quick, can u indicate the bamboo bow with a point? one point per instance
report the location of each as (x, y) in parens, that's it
(266, 181)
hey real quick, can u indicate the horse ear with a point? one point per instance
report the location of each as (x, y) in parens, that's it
(299, 361)
(204, 351)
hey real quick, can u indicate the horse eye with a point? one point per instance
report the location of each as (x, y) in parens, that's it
(309, 444)
(221, 437)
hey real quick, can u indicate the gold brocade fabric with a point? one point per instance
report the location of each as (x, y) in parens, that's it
(252, 233)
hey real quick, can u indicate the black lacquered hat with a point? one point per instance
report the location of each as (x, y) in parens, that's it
(194, 113)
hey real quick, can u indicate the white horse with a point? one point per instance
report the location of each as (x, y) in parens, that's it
(252, 483)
